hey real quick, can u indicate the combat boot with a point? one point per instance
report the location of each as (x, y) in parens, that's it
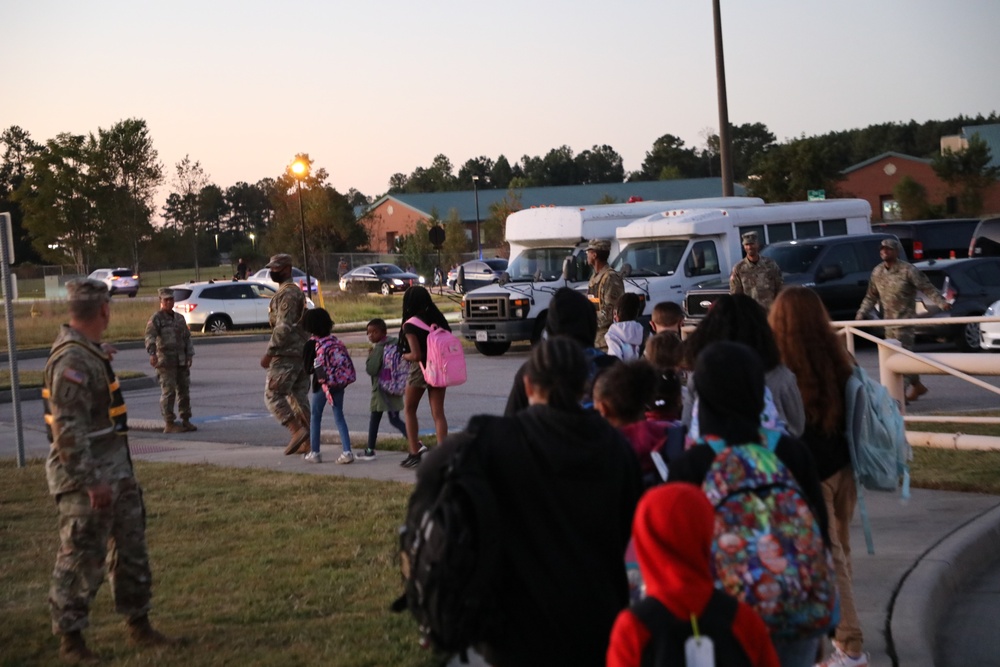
(173, 427)
(300, 435)
(73, 650)
(141, 633)
(188, 426)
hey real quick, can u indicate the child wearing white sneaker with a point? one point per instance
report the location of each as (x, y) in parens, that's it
(318, 323)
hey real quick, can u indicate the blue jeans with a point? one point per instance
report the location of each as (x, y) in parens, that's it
(798, 653)
(376, 419)
(317, 403)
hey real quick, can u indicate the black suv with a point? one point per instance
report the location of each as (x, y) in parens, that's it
(932, 239)
(836, 267)
(970, 285)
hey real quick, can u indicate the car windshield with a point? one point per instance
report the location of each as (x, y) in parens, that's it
(122, 273)
(386, 269)
(547, 263)
(652, 258)
(793, 258)
(496, 264)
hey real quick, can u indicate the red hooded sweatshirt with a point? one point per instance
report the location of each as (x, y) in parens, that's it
(672, 530)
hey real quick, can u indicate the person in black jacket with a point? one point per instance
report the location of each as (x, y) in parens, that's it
(569, 484)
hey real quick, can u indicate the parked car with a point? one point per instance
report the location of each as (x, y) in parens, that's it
(971, 286)
(216, 307)
(298, 275)
(383, 278)
(986, 238)
(119, 281)
(989, 332)
(835, 267)
(932, 239)
(477, 273)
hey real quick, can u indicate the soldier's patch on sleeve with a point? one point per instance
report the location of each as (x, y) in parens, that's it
(74, 376)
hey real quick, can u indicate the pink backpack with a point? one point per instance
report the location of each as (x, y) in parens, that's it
(445, 365)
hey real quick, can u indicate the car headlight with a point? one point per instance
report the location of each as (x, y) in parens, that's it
(990, 312)
(420, 279)
(397, 282)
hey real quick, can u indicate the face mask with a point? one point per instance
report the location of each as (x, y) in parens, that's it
(276, 277)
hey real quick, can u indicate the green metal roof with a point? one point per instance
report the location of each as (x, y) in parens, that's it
(566, 195)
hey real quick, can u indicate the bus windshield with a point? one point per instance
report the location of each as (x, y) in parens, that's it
(538, 264)
(652, 258)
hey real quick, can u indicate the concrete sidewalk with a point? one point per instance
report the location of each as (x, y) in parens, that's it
(928, 549)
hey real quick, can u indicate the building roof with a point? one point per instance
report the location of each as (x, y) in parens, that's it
(892, 154)
(565, 195)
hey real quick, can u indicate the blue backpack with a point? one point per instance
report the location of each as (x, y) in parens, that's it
(876, 440)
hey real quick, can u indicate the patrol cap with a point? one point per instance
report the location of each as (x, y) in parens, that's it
(165, 293)
(600, 245)
(891, 243)
(85, 289)
(750, 237)
(280, 261)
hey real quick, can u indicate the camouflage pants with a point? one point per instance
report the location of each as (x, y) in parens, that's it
(85, 536)
(287, 391)
(175, 385)
(905, 337)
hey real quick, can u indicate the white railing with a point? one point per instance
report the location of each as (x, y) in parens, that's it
(895, 362)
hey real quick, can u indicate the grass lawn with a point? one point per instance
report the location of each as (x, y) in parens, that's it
(250, 568)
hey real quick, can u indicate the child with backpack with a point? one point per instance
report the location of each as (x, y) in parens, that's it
(625, 336)
(771, 546)
(672, 531)
(328, 361)
(417, 304)
(387, 394)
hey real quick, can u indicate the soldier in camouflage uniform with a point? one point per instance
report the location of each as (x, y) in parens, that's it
(756, 276)
(168, 342)
(894, 285)
(89, 472)
(286, 393)
(605, 287)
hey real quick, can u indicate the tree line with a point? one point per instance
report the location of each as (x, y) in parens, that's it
(87, 200)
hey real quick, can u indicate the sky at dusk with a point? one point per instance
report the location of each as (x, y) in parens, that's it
(371, 88)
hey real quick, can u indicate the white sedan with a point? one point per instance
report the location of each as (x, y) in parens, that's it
(989, 332)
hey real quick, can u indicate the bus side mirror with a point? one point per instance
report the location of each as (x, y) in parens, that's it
(569, 269)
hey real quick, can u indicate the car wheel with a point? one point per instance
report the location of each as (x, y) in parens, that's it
(536, 334)
(132, 295)
(968, 339)
(386, 289)
(494, 349)
(218, 324)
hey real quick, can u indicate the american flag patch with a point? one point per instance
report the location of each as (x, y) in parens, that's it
(73, 376)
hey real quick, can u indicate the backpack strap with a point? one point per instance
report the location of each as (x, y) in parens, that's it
(419, 323)
(668, 633)
(854, 406)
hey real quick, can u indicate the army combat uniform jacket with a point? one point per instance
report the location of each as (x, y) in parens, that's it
(760, 280)
(285, 314)
(895, 290)
(169, 339)
(85, 415)
(607, 287)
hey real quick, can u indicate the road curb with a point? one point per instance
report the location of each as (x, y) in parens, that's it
(35, 393)
(925, 594)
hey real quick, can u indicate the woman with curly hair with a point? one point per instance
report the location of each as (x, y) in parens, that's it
(822, 366)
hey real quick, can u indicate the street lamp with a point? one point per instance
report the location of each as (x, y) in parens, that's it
(479, 239)
(301, 169)
(253, 241)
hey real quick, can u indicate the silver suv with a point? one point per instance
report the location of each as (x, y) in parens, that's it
(119, 281)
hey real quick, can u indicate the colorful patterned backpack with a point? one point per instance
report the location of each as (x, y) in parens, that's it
(395, 370)
(768, 550)
(335, 360)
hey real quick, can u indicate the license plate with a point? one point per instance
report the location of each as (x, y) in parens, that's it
(481, 337)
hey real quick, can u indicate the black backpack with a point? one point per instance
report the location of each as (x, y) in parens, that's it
(668, 633)
(449, 551)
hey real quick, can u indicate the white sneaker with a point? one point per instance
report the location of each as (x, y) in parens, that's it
(312, 457)
(346, 457)
(840, 659)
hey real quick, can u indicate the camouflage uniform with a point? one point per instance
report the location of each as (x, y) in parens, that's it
(87, 424)
(895, 290)
(286, 393)
(169, 340)
(759, 280)
(607, 287)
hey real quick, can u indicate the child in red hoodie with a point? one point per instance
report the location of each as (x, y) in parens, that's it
(672, 530)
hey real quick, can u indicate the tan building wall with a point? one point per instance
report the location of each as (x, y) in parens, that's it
(389, 221)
